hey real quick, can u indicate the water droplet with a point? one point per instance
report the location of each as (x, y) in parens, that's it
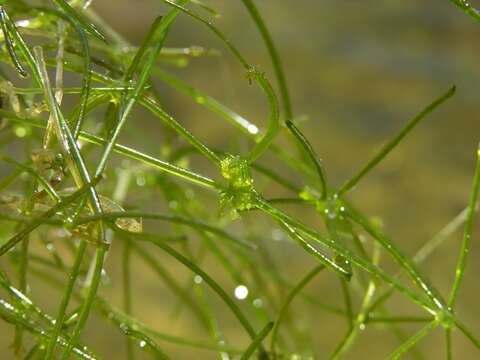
(173, 204)
(241, 292)
(252, 129)
(258, 303)
(142, 343)
(141, 181)
(20, 131)
(23, 23)
(190, 193)
(362, 326)
(332, 214)
(197, 279)
(277, 234)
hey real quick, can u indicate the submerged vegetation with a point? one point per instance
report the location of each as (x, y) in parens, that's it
(65, 200)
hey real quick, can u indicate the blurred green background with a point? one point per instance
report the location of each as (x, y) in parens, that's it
(357, 71)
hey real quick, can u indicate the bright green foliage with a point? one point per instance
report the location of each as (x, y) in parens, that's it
(93, 217)
(239, 194)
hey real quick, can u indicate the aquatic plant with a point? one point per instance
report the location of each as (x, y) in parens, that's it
(72, 188)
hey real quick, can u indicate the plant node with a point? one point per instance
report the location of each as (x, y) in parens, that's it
(332, 207)
(446, 318)
(240, 194)
(254, 74)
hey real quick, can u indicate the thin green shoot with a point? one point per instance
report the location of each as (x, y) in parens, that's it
(387, 148)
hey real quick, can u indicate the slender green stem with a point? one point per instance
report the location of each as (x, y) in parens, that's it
(256, 343)
(159, 28)
(347, 298)
(157, 163)
(448, 343)
(468, 334)
(360, 320)
(313, 157)
(132, 154)
(127, 291)
(398, 319)
(467, 235)
(155, 108)
(325, 260)
(426, 250)
(6, 26)
(273, 122)
(88, 26)
(146, 343)
(36, 222)
(23, 49)
(88, 302)
(40, 179)
(253, 74)
(169, 218)
(341, 250)
(22, 275)
(180, 6)
(115, 315)
(12, 315)
(288, 300)
(69, 146)
(467, 8)
(411, 342)
(124, 72)
(59, 320)
(119, 317)
(170, 282)
(208, 102)
(409, 266)
(23, 263)
(213, 284)
(387, 148)
(81, 175)
(274, 56)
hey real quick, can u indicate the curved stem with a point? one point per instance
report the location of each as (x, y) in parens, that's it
(467, 8)
(59, 320)
(291, 295)
(257, 342)
(272, 50)
(341, 250)
(413, 340)
(213, 285)
(311, 154)
(400, 258)
(88, 302)
(467, 235)
(387, 148)
(273, 122)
